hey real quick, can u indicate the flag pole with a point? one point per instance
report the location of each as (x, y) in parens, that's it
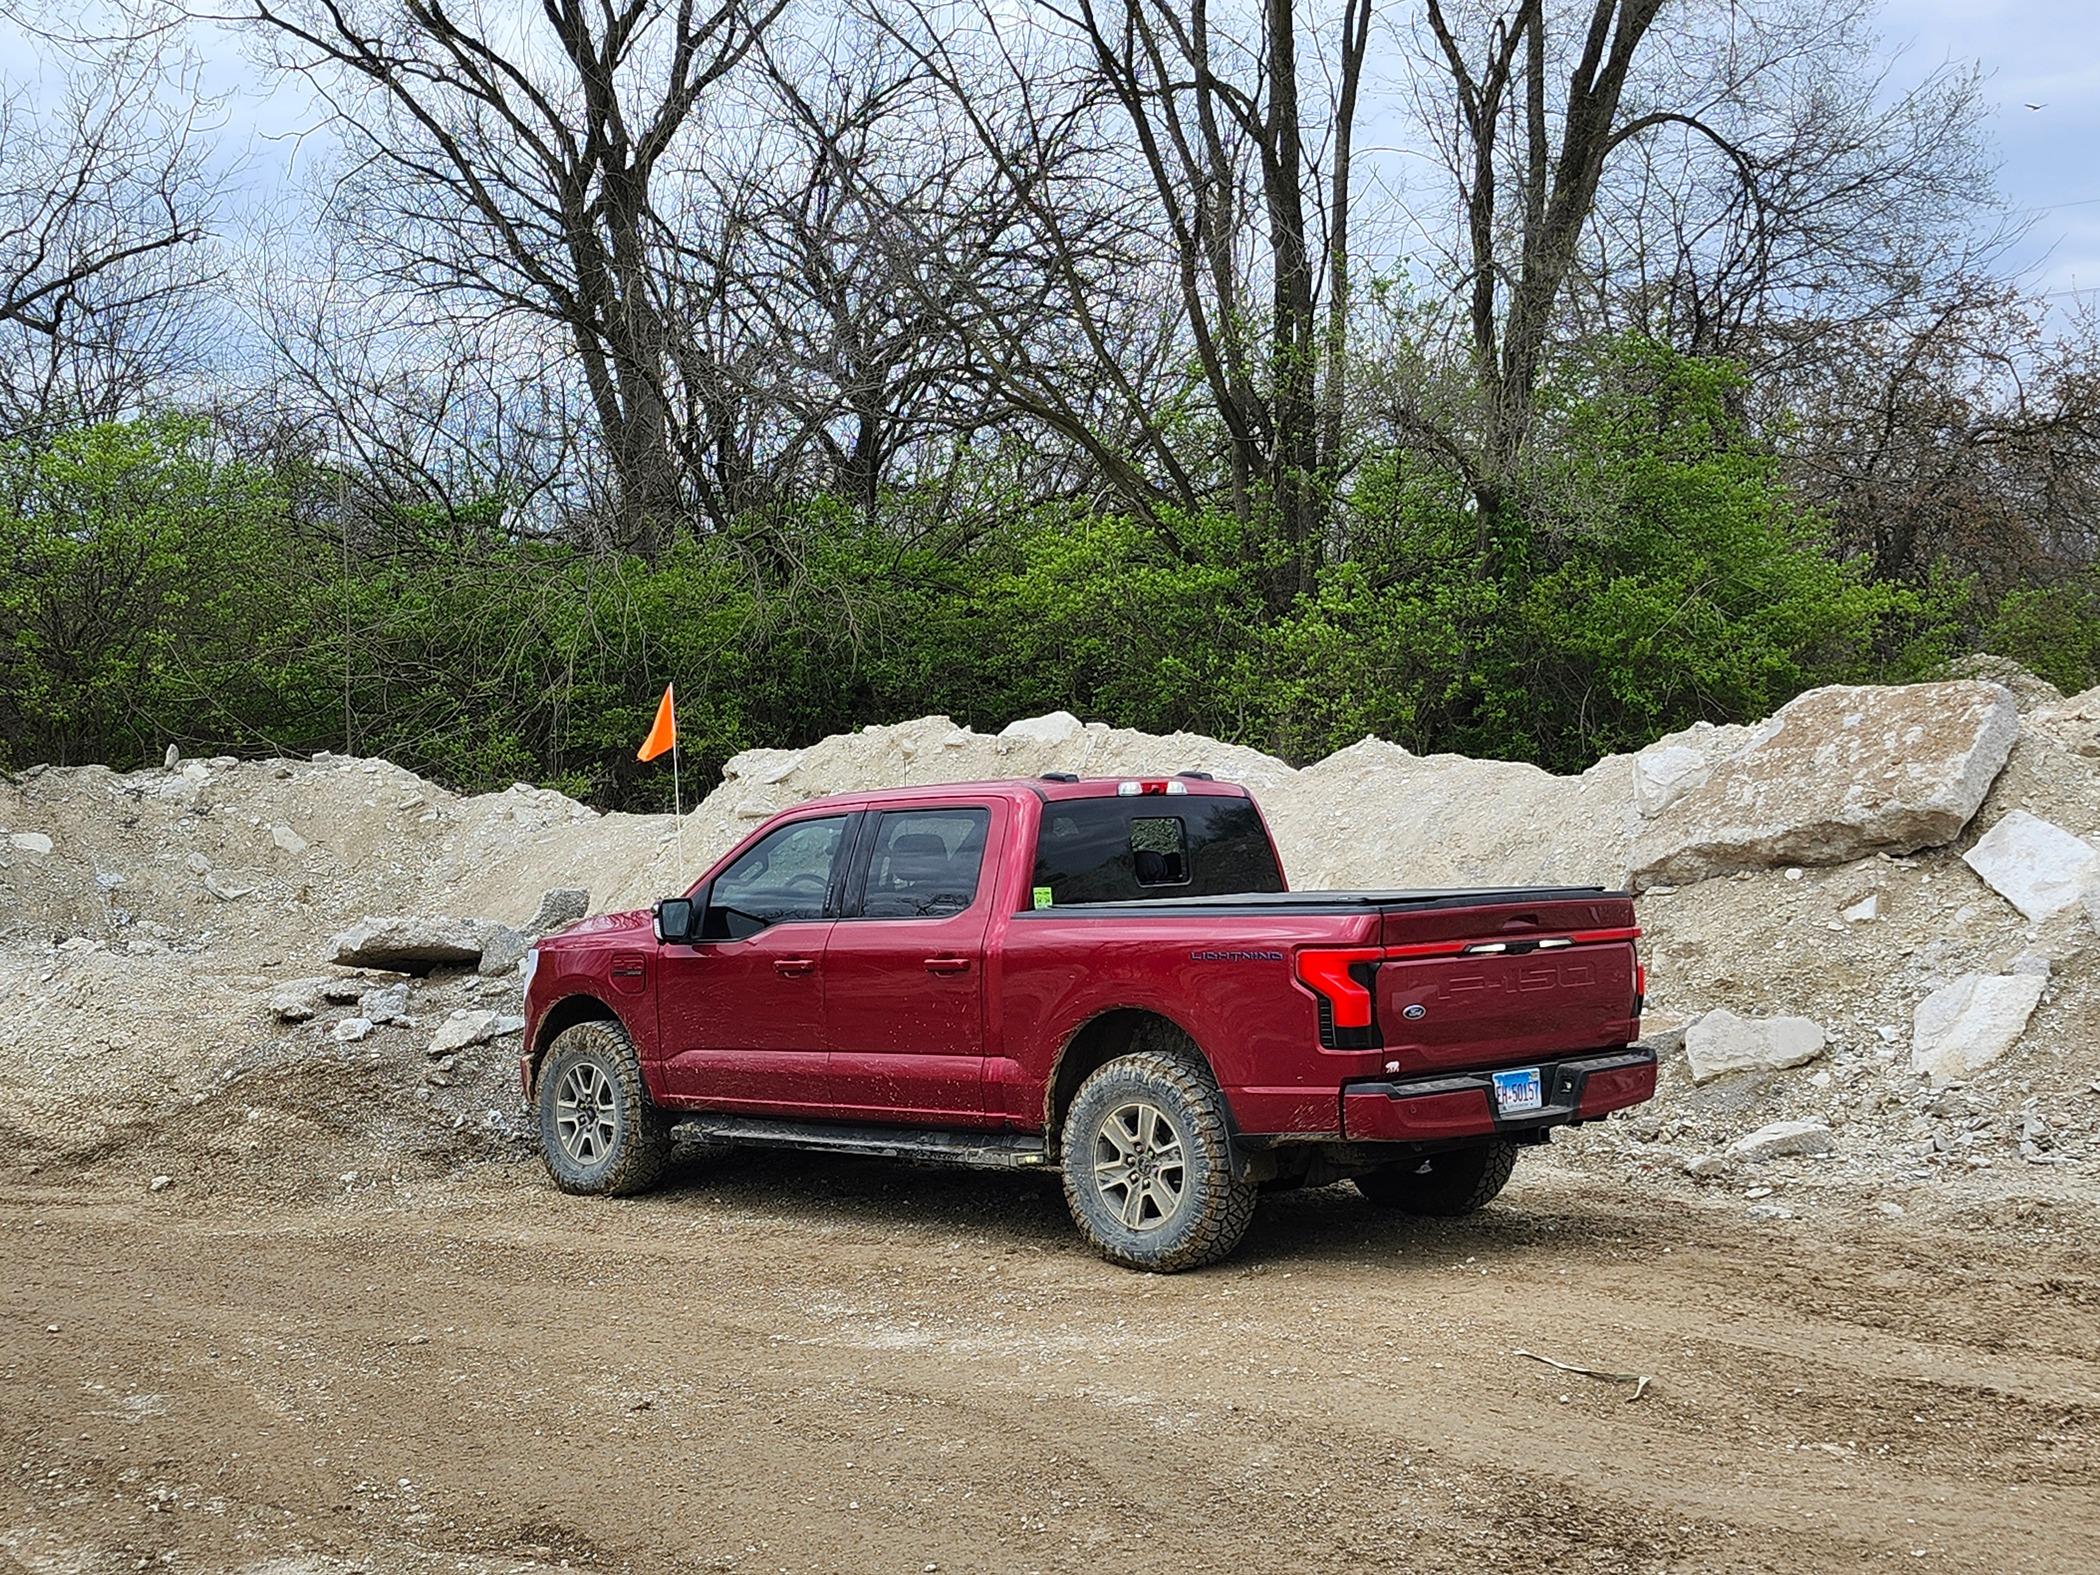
(677, 798)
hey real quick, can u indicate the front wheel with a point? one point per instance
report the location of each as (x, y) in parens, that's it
(1449, 1182)
(1148, 1165)
(598, 1130)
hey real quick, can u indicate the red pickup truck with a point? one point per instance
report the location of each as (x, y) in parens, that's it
(1104, 977)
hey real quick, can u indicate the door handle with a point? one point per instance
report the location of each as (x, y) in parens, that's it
(794, 967)
(947, 965)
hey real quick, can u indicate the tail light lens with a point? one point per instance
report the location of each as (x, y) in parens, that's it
(1325, 972)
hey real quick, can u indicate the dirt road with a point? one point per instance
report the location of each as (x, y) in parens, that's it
(802, 1364)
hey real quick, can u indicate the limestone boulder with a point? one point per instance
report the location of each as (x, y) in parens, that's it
(1963, 1027)
(1721, 1042)
(2035, 865)
(1837, 774)
(409, 944)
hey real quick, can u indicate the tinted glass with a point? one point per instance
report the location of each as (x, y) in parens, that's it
(925, 863)
(1115, 849)
(785, 875)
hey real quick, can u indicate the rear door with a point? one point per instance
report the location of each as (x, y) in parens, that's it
(741, 1014)
(904, 967)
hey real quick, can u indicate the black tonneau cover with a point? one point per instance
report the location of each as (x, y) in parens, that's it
(1326, 901)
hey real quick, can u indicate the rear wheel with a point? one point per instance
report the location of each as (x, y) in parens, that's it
(1452, 1181)
(1148, 1165)
(598, 1130)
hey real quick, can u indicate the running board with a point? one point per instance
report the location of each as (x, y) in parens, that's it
(976, 1150)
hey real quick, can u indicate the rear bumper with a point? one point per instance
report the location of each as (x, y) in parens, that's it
(1461, 1105)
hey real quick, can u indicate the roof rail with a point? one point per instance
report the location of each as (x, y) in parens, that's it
(1060, 776)
(1196, 776)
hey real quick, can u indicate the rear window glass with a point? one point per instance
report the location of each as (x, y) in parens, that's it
(1116, 849)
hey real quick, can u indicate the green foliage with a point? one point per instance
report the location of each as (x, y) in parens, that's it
(2053, 630)
(1651, 571)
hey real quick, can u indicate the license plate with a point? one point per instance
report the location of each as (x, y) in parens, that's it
(1519, 1091)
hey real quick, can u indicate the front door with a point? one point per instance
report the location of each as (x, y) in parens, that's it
(904, 996)
(741, 1013)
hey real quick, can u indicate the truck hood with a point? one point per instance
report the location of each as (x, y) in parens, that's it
(603, 926)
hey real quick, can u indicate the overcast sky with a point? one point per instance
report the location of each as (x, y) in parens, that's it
(2038, 52)
(2044, 52)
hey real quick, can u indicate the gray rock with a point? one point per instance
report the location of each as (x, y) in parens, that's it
(225, 891)
(2037, 866)
(297, 1000)
(389, 1004)
(461, 1029)
(504, 1027)
(342, 989)
(559, 905)
(411, 945)
(502, 949)
(30, 842)
(1864, 911)
(287, 839)
(1721, 1042)
(1783, 1138)
(1835, 775)
(172, 759)
(351, 1029)
(1965, 1026)
(1705, 1167)
(1664, 774)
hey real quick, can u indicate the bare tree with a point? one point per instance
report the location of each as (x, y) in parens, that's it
(106, 196)
(519, 169)
(1217, 192)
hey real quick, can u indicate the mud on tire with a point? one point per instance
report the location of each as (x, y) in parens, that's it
(598, 1131)
(1449, 1182)
(1148, 1171)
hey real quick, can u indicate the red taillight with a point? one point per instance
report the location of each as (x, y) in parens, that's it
(1326, 974)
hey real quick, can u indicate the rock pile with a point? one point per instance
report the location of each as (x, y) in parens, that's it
(1874, 913)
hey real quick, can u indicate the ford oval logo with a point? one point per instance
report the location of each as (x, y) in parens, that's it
(1415, 1014)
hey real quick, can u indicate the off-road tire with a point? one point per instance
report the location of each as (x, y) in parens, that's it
(633, 1156)
(1215, 1205)
(1448, 1183)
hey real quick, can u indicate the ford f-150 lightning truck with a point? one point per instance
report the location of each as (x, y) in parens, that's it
(1105, 977)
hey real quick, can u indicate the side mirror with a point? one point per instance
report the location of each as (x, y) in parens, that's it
(676, 919)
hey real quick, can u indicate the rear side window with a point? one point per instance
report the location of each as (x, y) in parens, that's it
(924, 863)
(1116, 849)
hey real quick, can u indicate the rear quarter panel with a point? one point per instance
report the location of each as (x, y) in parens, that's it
(1227, 982)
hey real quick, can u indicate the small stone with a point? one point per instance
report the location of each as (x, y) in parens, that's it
(1784, 1138)
(1893, 1210)
(225, 891)
(1793, 874)
(1864, 911)
(1705, 1167)
(172, 759)
(30, 842)
(297, 1000)
(198, 864)
(351, 1029)
(287, 839)
(386, 1005)
(461, 1029)
(160, 1183)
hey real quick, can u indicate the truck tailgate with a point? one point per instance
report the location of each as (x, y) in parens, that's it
(1500, 1008)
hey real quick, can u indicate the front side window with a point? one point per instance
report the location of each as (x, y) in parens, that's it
(925, 863)
(784, 875)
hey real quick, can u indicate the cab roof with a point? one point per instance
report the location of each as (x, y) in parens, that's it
(1054, 788)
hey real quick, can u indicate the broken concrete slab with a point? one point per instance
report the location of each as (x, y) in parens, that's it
(1721, 1042)
(1963, 1027)
(2035, 865)
(1835, 775)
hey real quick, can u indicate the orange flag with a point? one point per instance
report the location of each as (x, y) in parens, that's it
(663, 733)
